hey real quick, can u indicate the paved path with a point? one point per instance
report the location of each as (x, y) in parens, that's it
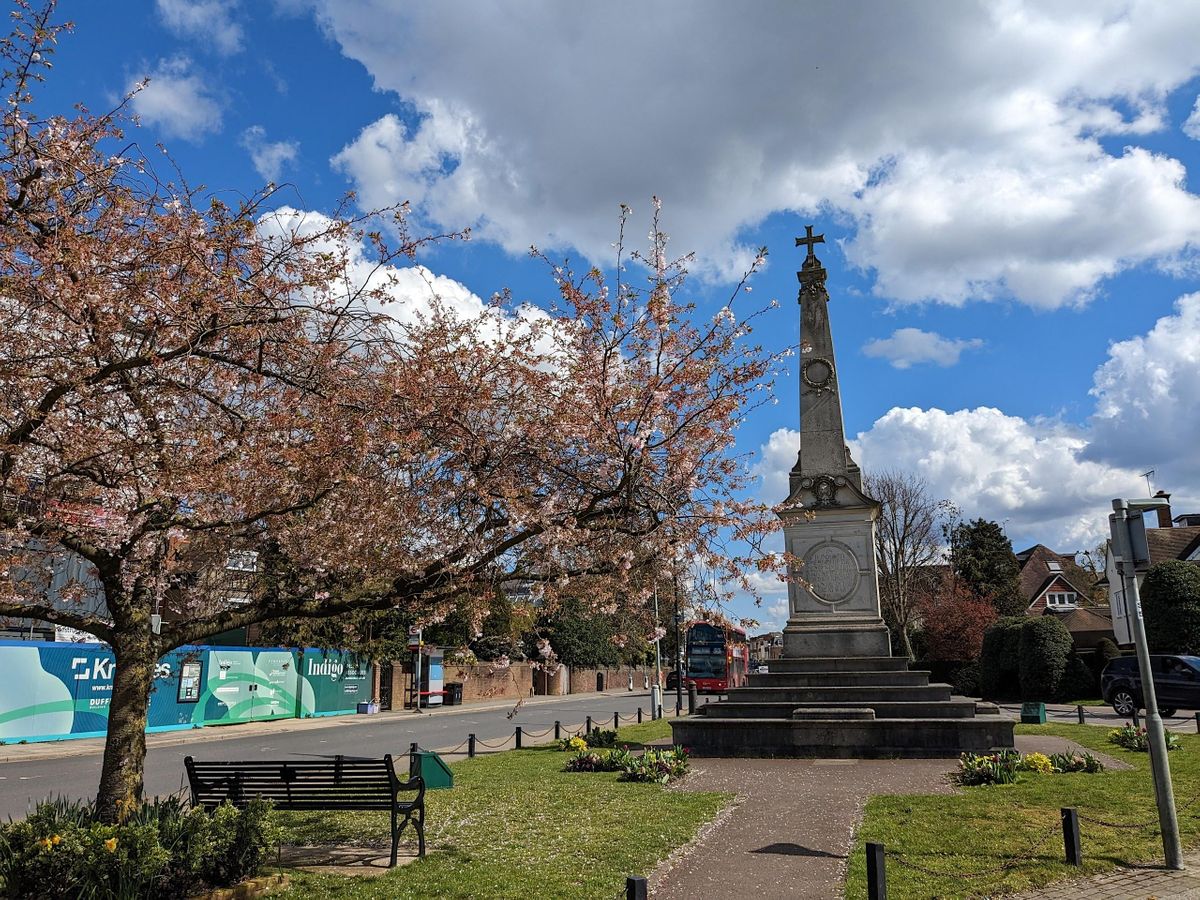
(1129, 883)
(793, 828)
(72, 768)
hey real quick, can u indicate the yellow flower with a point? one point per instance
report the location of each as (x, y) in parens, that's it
(1037, 762)
(45, 843)
(578, 744)
(111, 844)
(56, 840)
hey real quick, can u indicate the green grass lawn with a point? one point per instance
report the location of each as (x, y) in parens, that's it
(516, 825)
(982, 827)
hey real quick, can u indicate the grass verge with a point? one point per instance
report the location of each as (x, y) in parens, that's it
(982, 828)
(516, 825)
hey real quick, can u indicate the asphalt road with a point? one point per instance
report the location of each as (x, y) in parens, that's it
(77, 775)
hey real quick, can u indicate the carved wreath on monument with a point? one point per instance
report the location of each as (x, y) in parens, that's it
(831, 571)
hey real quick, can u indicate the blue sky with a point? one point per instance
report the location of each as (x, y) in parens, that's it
(1008, 193)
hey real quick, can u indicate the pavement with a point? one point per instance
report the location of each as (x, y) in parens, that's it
(1129, 883)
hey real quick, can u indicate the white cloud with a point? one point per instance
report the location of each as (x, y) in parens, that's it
(1191, 126)
(911, 346)
(1147, 394)
(1048, 481)
(177, 101)
(269, 157)
(210, 22)
(962, 140)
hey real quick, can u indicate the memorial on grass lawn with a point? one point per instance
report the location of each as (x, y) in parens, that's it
(837, 691)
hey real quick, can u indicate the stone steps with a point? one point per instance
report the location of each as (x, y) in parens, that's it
(840, 695)
(843, 679)
(884, 709)
(838, 664)
(712, 735)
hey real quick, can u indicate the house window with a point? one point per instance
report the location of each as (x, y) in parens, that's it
(1060, 598)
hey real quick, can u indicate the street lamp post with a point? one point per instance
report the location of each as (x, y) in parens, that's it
(1119, 526)
(678, 645)
(656, 690)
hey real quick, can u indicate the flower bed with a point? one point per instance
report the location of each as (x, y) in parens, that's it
(1005, 766)
(1137, 739)
(656, 766)
(161, 849)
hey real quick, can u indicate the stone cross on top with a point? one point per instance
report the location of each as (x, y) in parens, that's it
(810, 240)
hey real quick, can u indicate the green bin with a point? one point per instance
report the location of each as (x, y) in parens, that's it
(1033, 713)
(432, 768)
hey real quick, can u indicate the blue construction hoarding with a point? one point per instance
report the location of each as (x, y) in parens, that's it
(50, 691)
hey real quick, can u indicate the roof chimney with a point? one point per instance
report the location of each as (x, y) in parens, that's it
(1164, 512)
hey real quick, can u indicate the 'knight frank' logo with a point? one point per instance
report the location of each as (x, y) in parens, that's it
(101, 669)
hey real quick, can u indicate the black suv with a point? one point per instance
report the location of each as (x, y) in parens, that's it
(1176, 683)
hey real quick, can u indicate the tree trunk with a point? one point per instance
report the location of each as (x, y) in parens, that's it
(125, 746)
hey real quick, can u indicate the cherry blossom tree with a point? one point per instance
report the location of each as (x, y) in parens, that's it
(184, 382)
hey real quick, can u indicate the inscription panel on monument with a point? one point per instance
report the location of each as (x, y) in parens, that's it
(831, 571)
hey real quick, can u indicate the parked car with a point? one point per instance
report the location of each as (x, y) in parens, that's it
(1176, 683)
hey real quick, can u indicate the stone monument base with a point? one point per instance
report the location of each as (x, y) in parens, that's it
(837, 637)
(850, 707)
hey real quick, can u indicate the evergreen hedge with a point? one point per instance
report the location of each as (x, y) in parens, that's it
(1045, 648)
(1171, 607)
(999, 673)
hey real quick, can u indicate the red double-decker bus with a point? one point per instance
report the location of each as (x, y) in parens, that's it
(717, 657)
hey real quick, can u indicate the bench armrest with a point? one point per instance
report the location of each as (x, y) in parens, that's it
(416, 783)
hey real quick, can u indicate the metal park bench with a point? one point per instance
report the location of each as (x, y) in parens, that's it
(339, 783)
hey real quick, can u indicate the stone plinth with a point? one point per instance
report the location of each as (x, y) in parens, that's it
(866, 707)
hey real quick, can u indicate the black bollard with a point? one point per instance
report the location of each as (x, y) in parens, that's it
(1137, 723)
(1071, 844)
(616, 721)
(1198, 723)
(557, 730)
(518, 736)
(876, 873)
(1079, 712)
(635, 888)
(587, 729)
(470, 746)
(639, 715)
(691, 699)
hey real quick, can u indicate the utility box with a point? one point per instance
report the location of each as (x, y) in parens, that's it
(432, 768)
(1033, 713)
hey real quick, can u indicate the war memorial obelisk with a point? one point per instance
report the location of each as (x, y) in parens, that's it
(837, 691)
(828, 522)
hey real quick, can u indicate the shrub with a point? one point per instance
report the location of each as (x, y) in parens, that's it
(1171, 606)
(162, 849)
(965, 680)
(658, 766)
(599, 737)
(1106, 650)
(1075, 762)
(1080, 681)
(1036, 762)
(988, 768)
(1137, 739)
(1044, 648)
(999, 673)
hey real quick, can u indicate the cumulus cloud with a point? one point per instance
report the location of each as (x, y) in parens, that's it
(1051, 482)
(1147, 394)
(964, 141)
(210, 22)
(269, 157)
(177, 101)
(1191, 126)
(912, 346)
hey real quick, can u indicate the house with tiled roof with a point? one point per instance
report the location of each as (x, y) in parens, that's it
(1051, 581)
(1168, 541)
